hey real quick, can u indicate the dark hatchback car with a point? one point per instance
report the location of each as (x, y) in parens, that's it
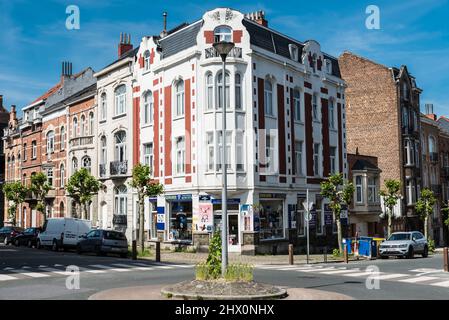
(6, 233)
(102, 242)
(27, 237)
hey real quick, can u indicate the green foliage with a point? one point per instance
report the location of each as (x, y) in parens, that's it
(81, 187)
(338, 191)
(40, 188)
(445, 214)
(214, 257)
(15, 193)
(336, 253)
(239, 272)
(424, 206)
(141, 180)
(431, 245)
(392, 193)
(202, 271)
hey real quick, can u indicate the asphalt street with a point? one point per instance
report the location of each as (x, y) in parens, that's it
(41, 274)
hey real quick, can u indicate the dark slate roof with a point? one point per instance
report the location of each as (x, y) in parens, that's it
(179, 39)
(272, 41)
(361, 164)
(86, 92)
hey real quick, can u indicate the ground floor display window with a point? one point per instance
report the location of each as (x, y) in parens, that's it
(271, 219)
(300, 217)
(181, 220)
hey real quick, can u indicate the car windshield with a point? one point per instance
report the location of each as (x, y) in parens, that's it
(113, 235)
(399, 236)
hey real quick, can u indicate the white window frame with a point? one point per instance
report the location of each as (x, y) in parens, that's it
(220, 90)
(180, 155)
(33, 149)
(147, 108)
(238, 91)
(103, 104)
(179, 99)
(358, 188)
(268, 97)
(91, 123)
(75, 127)
(62, 176)
(120, 100)
(147, 57)
(120, 146)
(50, 142)
(331, 114)
(239, 150)
(210, 149)
(148, 154)
(316, 159)
(223, 33)
(120, 200)
(315, 113)
(298, 158)
(103, 150)
(297, 105)
(62, 134)
(372, 190)
(209, 91)
(333, 159)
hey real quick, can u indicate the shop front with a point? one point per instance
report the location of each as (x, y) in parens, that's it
(234, 227)
(179, 217)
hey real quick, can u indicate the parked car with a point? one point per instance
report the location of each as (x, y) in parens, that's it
(404, 244)
(104, 241)
(27, 237)
(62, 233)
(6, 233)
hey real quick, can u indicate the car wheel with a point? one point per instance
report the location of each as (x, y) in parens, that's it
(17, 243)
(78, 249)
(38, 244)
(97, 251)
(5, 241)
(425, 253)
(123, 255)
(29, 244)
(54, 246)
(411, 253)
(384, 257)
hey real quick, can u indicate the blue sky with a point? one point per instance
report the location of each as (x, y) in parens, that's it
(34, 40)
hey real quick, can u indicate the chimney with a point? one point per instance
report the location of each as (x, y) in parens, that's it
(66, 69)
(13, 117)
(164, 32)
(429, 111)
(259, 17)
(125, 44)
(1, 101)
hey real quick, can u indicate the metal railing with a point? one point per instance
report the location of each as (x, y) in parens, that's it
(102, 169)
(236, 52)
(81, 141)
(118, 168)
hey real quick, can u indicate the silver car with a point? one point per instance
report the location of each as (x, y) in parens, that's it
(404, 244)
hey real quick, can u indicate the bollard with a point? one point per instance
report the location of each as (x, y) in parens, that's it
(134, 250)
(158, 251)
(325, 254)
(345, 254)
(446, 259)
(290, 254)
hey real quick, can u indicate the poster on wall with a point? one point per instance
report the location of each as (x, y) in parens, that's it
(246, 213)
(256, 219)
(328, 216)
(203, 220)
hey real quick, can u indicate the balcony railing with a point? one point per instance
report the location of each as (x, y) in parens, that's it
(102, 169)
(120, 219)
(236, 52)
(433, 156)
(118, 168)
(81, 141)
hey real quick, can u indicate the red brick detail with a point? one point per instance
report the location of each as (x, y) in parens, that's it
(167, 133)
(261, 118)
(136, 89)
(325, 134)
(168, 181)
(155, 83)
(136, 131)
(237, 36)
(141, 62)
(193, 92)
(209, 36)
(281, 126)
(307, 85)
(340, 138)
(152, 55)
(188, 128)
(124, 48)
(292, 135)
(324, 90)
(309, 132)
(156, 133)
(188, 179)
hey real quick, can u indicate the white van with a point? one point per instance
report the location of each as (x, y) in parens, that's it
(62, 233)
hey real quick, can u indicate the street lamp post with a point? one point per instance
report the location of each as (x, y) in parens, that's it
(223, 48)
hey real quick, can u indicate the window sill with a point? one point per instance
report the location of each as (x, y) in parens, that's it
(298, 122)
(270, 116)
(178, 117)
(144, 72)
(333, 130)
(119, 116)
(316, 121)
(146, 125)
(102, 121)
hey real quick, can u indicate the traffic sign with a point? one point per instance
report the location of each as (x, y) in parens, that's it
(308, 206)
(307, 216)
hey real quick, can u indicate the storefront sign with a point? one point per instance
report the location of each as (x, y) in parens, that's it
(272, 196)
(230, 201)
(179, 197)
(328, 215)
(160, 222)
(203, 220)
(312, 222)
(204, 197)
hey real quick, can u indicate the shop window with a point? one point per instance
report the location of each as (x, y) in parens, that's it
(271, 219)
(300, 217)
(181, 221)
(319, 216)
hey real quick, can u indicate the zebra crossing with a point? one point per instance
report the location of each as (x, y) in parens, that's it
(411, 278)
(44, 271)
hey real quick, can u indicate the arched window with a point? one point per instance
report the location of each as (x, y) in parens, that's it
(75, 127)
(103, 155)
(62, 138)
(103, 106)
(238, 91)
(147, 110)
(223, 33)
(179, 98)
(209, 91)
(120, 100)
(297, 104)
(62, 176)
(86, 163)
(220, 90)
(120, 146)
(432, 145)
(268, 95)
(50, 141)
(74, 164)
(146, 56)
(120, 200)
(91, 123)
(83, 126)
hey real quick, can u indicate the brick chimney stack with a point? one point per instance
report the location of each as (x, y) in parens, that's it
(164, 31)
(259, 17)
(429, 112)
(125, 44)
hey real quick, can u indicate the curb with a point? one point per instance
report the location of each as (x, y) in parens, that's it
(169, 295)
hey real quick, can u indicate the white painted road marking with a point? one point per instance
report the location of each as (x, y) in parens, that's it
(30, 274)
(441, 284)
(4, 277)
(418, 279)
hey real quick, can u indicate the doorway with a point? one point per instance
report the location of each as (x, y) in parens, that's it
(233, 232)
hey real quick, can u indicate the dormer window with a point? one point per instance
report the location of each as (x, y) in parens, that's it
(293, 52)
(223, 33)
(147, 60)
(328, 64)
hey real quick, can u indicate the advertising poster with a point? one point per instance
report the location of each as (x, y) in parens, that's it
(246, 213)
(204, 218)
(328, 216)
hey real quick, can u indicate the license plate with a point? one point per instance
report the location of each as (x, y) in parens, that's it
(115, 249)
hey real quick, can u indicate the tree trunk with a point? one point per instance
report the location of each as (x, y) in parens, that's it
(339, 235)
(85, 211)
(390, 222)
(141, 222)
(426, 227)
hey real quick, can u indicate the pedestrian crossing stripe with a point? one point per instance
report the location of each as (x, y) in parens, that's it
(316, 270)
(30, 274)
(389, 276)
(441, 284)
(339, 271)
(419, 279)
(4, 277)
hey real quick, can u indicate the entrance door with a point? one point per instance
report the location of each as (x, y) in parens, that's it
(104, 215)
(233, 232)
(33, 218)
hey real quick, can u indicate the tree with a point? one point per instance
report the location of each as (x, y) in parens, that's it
(146, 187)
(424, 207)
(40, 187)
(81, 187)
(15, 193)
(391, 196)
(445, 214)
(339, 192)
